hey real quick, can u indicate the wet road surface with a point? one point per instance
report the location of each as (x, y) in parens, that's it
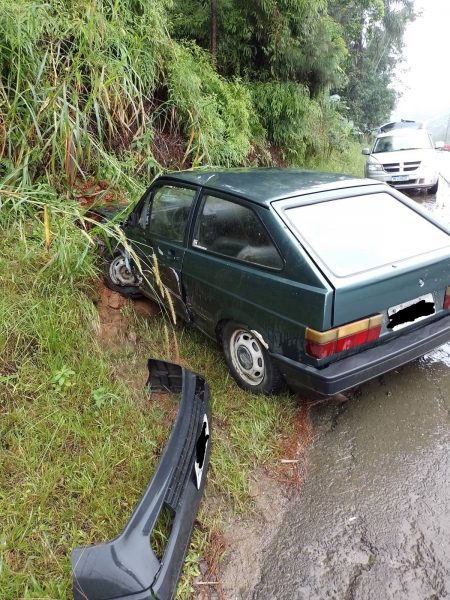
(372, 520)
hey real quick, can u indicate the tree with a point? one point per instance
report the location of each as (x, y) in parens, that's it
(373, 31)
(283, 40)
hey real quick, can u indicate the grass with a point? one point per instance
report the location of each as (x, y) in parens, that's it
(246, 427)
(79, 435)
(348, 160)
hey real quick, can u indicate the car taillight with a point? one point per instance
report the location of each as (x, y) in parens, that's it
(325, 343)
(447, 299)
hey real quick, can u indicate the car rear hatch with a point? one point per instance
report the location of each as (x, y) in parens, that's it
(381, 253)
(385, 291)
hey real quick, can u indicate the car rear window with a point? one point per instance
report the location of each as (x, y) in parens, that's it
(352, 235)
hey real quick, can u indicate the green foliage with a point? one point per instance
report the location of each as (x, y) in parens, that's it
(63, 377)
(372, 100)
(81, 88)
(77, 77)
(373, 31)
(308, 131)
(288, 116)
(268, 39)
(215, 110)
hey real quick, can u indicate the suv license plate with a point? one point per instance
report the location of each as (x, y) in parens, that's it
(407, 313)
(400, 177)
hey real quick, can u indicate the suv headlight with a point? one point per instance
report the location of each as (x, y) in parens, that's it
(373, 166)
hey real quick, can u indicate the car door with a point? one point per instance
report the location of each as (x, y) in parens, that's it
(159, 238)
(231, 265)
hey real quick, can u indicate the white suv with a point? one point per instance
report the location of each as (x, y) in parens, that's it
(404, 158)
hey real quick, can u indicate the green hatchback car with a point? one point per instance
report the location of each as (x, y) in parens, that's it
(314, 280)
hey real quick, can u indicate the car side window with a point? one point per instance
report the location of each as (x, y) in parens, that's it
(142, 220)
(235, 231)
(170, 210)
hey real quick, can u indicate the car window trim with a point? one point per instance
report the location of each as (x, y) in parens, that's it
(205, 191)
(174, 183)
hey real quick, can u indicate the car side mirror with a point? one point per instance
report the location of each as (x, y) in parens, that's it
(366, 151)
(439, 145)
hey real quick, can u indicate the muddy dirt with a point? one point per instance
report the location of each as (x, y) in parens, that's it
(113, 320)
(246, 538)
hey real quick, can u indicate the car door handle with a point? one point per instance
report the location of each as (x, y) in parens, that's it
(172, 255)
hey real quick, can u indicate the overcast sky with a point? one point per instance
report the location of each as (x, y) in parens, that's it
(425, 75)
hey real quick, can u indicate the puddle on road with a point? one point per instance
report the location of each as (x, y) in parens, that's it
(372, 519)
(439, 204)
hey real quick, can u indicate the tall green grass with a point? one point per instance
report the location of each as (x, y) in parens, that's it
(79, 434)
(86, 83)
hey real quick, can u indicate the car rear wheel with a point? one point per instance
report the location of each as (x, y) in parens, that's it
(119, 278)
(248, 360)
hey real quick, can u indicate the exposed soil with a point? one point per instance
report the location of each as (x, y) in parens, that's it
(244, 540)
(266, 156)
(113, 320)
(91, 192)
(169, 148)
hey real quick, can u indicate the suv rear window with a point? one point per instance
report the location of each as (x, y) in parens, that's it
(353, 235)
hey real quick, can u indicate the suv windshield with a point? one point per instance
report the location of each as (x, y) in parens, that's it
(407, 141)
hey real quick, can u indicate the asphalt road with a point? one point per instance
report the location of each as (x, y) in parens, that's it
(372, 520)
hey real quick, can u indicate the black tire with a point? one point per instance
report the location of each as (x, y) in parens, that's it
(249, 362)
(115, 272)
(434, 188)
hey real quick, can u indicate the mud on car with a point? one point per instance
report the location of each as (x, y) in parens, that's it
(314, 280)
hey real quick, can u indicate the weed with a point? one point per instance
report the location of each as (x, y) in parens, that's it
(63, 377)
(101, 397)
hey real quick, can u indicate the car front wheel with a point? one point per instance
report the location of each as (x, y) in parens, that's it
(248, 360)
(119, 278)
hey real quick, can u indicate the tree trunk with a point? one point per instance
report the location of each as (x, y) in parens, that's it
(213, 30)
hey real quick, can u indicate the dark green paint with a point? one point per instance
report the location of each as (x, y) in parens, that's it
(209, 289)
(266, 185)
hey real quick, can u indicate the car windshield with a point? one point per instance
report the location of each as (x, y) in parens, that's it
(411, 140)
(353, 235)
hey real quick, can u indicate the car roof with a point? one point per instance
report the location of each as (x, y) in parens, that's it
(401, 124)
(264, 185)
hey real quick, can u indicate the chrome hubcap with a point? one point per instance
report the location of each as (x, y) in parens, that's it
(120, 274)
(247, 357)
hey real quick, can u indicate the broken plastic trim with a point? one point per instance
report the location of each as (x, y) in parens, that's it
(126, 568)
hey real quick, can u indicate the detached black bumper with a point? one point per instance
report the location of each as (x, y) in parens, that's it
(354, 370)
(126, 568)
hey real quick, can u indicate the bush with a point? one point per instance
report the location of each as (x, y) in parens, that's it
(215, 111)
(285, 111)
